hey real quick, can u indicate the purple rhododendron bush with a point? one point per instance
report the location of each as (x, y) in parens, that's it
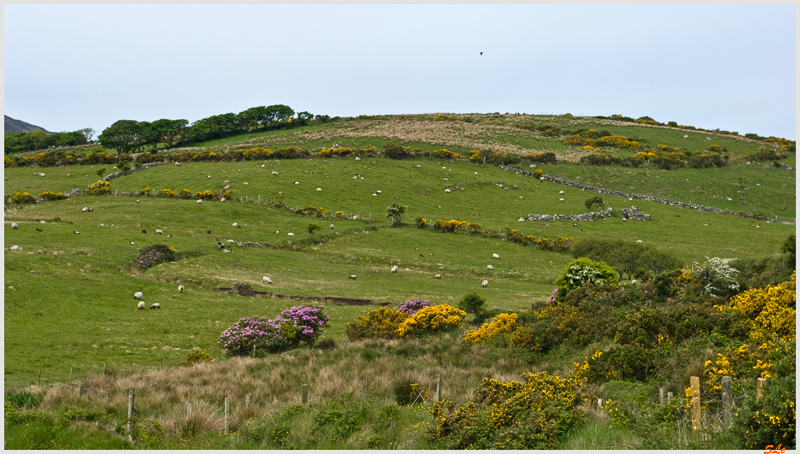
(298, 325)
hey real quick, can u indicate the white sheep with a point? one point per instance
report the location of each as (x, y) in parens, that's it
(140, 305)
(266, 280)
(222, 199)
(177, 163)
(155, 306)
(290, 234)
(357, 158)
(495, 256)
(378, 191)
(560, 192)
(489, 267)
(485, 283)
(159, 232)
(180, 288)
(14, 225)
(331, 226)
(235, 224)
(561, 199)
(319, 189)
(14, 248)
(296, 182)
(394, 269)
(85, 209)
(274, 173)
(448, 190)
(138, 295)
(199, 201)
(438, 276)
(352, 276)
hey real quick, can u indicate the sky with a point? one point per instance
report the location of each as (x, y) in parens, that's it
(732, 67)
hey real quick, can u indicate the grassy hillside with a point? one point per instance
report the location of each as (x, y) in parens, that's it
(69, 297)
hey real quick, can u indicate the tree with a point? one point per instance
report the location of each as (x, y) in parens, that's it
(120, 136)
(594, 201)
(395, 211)
(473, 303)
(313, 228)
(87, 133)
(303, 118)
(789, 247)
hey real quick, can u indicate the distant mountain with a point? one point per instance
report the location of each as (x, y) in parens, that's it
(13, 125)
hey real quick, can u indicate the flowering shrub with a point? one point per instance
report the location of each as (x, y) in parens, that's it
(533, 414)
(185, 194)
(446, 154)
(583, 270)
(431, 319)
(250, 333)
(145, 192)
(453, 225)
(337, 151)
(166, 193)
(22, 197)
(421, 222)
(243, 289)
(412, 307)
(207, 194)
(8, 161)
(302, 324)
(538, 173)
(380, 323)
(501, 323)
(152, 255)
(547, 157)
(101, 187)
(50, 195)
(715, 277)
(196, 356)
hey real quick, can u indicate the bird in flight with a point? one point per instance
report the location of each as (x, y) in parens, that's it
(481, 53)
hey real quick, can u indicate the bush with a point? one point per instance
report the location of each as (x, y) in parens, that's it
(380, 323)
(789, 247)
(250, 333)
(196, 356)
(185, 194)
(50, 195)
(581, 271)
(716, 277)
(243, 289)
(153, 254)
(99, 188)
(446, 154)
(431, 320)
(473, 303)
(501, 323)
(166, 193)
(412, 307)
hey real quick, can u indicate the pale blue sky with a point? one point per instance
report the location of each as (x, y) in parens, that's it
(731, 67)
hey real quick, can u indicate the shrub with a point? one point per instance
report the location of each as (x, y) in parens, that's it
(538, 173)
(196, 356)
(789, 247)
(713, 148)
(501, 323)
(393, 151)
(166, 193)
(380, 323)
(421, 222)
(534, 414)
(153, 254)
(412, 307)
(50, 195)
(594, 201)
(207, 194)
(547, 157)
(770, 312)
(473, 303)
(302, 324)
(716, 277)
(250, 333)
(185, 194)
(243, 289)
(432, 319)
(145, 192)
(99, 188)
(395, 211)
(583, 270)
(446, 154)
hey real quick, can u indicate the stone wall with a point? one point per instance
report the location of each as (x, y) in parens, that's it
(593, 216)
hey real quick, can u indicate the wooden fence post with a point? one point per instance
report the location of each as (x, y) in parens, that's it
(727, 401)
(130, 409)
(695, 384)
(247, 400)
(661, 395)
(104, 369)
(227, 408)
(759, 392)
(599, 404)
(669, 396)
(70, 374)
(40, 377)
(438, 388)
(304, 397)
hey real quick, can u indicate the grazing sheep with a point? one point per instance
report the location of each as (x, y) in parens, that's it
(85, 209)
(561, 199)
(352, 276)
(521, 220)
(155, 306)
(495, 256)
(14, 248)
(448, 190)
(319, 189)
(394, 269)
(177, 163)
(438, 276)
(296, 182)
(560, 192)
(76, 232)
(15, 226)
(274, 173)
(199, 201)
(266, 280)
(357, 158)
(180, 288)
(331, 226)
(140, 305)
(489, 267)
(137, 295)
(485, 283)
(159, 232)
(137, 201)
(290, 234)
(222, 199)
(235, 224)
(378, 191)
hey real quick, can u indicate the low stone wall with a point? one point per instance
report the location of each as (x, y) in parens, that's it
(648, 198)
(593, 216)
(133, 170)
(634, 213)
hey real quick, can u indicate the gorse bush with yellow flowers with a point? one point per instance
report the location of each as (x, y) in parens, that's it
(50, 195)
(431, 319)
(379, 323)
(501, 323)
(22, 197)
(532, 414)
(99, 188)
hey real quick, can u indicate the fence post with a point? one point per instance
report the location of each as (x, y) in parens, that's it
(695, 384)
(759, 392)
(104, 369)
(40, 377)
(304, 397)
(70, 374)
(727, 401)
(669, 396)
(247, 400)
(438, 388)
(130, 410)
(599, 404)
(227, 408)
(219, 354)
(661, 395)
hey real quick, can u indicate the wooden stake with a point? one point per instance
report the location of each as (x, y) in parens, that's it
(130, 409)
(727, 401)
(104, 369)
(438, 388)
(669, 396)
(247, 400)
(305, 394)
(188, 409)
(695, 384)
(70, 374)
(599, 403)
(227, 409)
(40, 377)
(661, 395)
(759, 392)
(369, 383)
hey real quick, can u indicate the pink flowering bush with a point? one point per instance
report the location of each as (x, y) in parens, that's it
(153, 254)
(411, 307)
(293, 327)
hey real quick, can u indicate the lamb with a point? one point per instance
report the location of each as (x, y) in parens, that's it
(331, 226)
(155, 306)
(495, 256)
(137, 295)
(159, 232)
(235, 224)
(199, 201)
(438, 276)
(177, 163)
(352, 276)
(266, 280)
(485, 283)
(319, 189)
(489, 267)
(180, 288)
(15, 226)
(222, 199)
(394, 269)
(448, 190)
(140, 305)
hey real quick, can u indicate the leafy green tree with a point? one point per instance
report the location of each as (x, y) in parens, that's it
(303, 118)
(789, 247)
(395, 211)
(594, 201)
(473, 303)
(121, 136)
(627, 257)
(313, 228)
